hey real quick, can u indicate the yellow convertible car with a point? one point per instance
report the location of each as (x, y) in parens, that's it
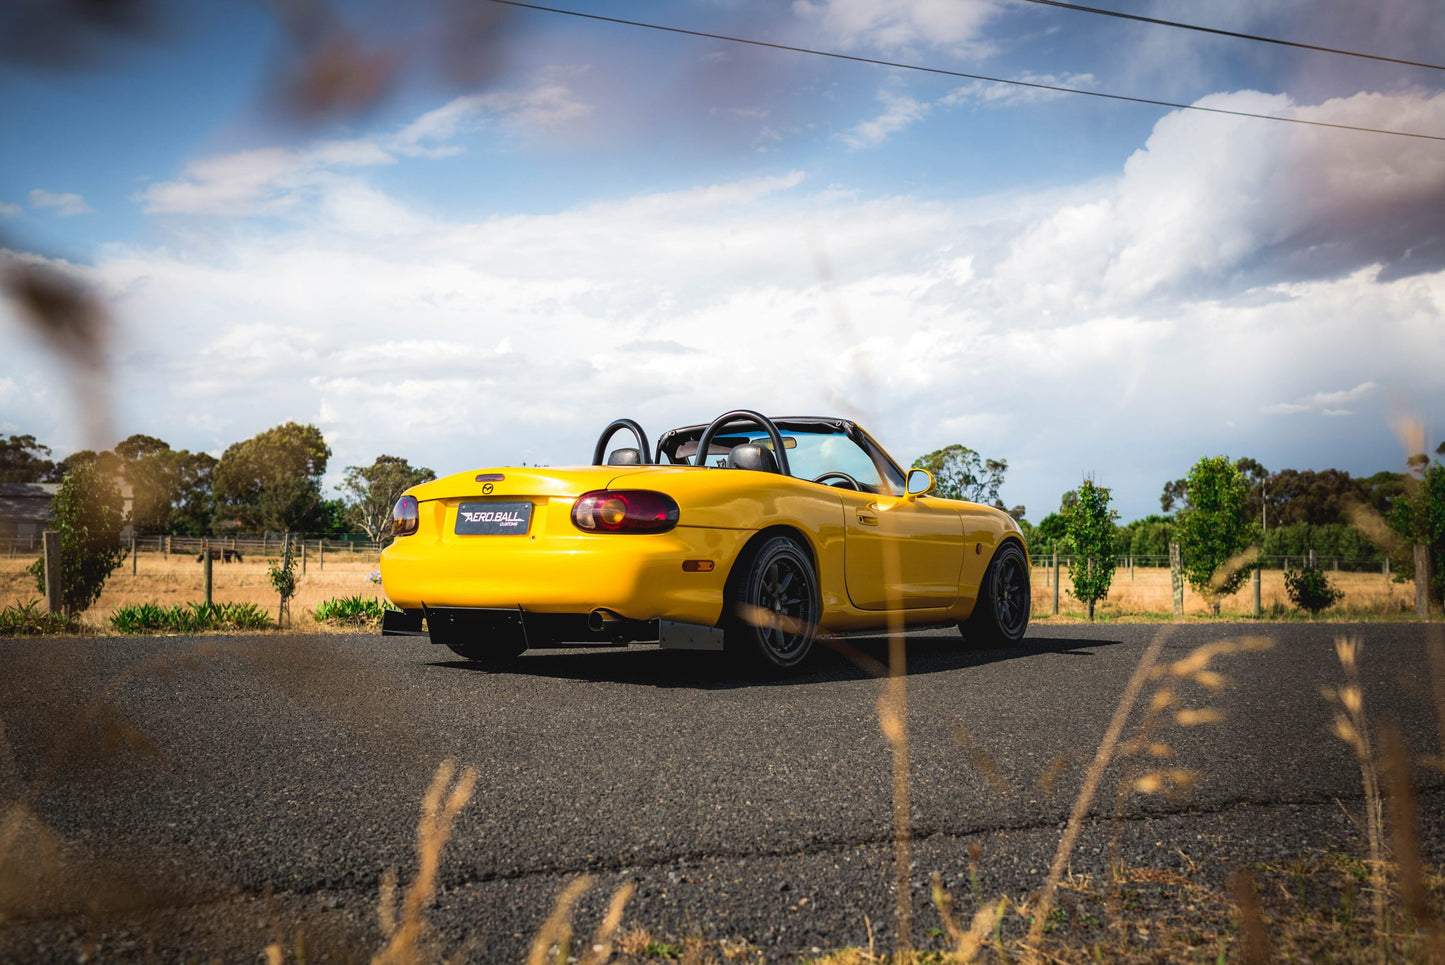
(751, 535)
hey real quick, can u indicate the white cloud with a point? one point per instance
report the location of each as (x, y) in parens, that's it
(899, 112)
(1213, 203)
(65, 205)
(1014, 95)
(8, 210)
(544, 107)
(269, 182)
(901, 25)
(1325, 403)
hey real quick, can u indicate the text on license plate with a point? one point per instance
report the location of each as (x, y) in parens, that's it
(493, 519)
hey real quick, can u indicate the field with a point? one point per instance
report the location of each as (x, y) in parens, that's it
(178, 579)
(1147, 595)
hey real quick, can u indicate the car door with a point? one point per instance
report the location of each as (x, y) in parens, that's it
(901, 552)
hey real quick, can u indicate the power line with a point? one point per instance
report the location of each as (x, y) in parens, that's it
(961, 74)
(1230, 33)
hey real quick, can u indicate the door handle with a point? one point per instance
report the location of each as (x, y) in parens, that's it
(868, 520)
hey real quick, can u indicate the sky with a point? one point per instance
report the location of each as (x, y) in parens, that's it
(541, 223)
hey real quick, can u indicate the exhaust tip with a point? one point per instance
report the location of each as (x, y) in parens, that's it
(600, 619)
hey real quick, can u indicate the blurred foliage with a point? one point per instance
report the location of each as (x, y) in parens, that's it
(87, 512)
(1089, 531)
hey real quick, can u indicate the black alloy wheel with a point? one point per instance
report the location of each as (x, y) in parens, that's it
(773, 607)
(1001, 614)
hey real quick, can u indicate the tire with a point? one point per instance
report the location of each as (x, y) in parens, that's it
(772, 607)
(1001, 613)
(498, 651)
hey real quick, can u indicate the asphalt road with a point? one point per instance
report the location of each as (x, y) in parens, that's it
(215, 792)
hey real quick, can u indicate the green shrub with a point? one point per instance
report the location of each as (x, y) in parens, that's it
(1309, 588)
(188, 617)
(356, 610)
(88, 514)
(29, 620)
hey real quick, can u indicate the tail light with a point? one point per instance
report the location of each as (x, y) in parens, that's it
(624, 511)
(404, 517)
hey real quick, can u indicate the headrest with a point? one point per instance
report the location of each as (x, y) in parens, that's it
(624, 457)
(752, 456)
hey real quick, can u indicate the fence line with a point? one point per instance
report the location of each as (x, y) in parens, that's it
(262, 546)
(1358, 564)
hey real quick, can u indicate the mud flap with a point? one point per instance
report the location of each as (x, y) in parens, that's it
(401, 623)
(688, 636)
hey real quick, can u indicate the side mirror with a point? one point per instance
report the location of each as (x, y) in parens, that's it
(919, 482)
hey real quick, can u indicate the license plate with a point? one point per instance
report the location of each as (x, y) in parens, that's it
(493, 519)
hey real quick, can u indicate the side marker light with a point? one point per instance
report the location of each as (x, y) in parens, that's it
(697, 566)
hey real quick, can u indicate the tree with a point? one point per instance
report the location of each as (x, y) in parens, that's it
(170, 489)
(371, 491)
(1173, 493)
(87, 512)
(23, 460)
(1214, 528)
(1258, 478)
(961, 473)
(1089, 525)
(272, 481)
(1418, 515)
(1316, 497)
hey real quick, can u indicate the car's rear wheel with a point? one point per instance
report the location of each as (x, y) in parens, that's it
(1001, 614)
(496, 649)
(772, 606)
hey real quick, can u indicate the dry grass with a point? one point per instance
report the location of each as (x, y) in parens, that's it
(1147, 595)
(179, 579)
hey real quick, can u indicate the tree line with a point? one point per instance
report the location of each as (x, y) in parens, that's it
(1224, 511)
(268, 483)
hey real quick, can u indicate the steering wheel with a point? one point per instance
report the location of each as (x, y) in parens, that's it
(836, 474)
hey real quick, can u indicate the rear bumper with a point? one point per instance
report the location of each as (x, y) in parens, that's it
(639, 577)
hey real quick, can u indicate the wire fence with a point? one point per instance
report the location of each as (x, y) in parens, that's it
(266, 546)
(1338, 564)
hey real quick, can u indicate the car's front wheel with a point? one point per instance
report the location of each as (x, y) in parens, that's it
(1001, 614)
(773, 606)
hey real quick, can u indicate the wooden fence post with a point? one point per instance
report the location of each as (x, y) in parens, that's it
(1422, 581)
(132, 556)
(1056, 581)
(1258, 606)
(168, 547)
(51, 541)
(303, 557)
(321, 553)
(1176, 579)
(206, 564)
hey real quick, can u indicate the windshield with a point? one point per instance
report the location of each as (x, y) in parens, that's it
(811, 454)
